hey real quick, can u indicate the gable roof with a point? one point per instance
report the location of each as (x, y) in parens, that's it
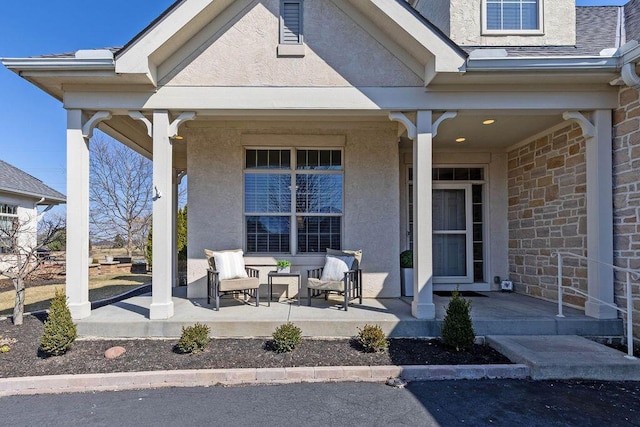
(17, 181)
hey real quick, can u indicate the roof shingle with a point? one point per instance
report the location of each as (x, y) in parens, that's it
(17, 181)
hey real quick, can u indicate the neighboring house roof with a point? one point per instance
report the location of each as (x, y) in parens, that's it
(16, 181)
(632, 20)
(113, 50)
(596, 29)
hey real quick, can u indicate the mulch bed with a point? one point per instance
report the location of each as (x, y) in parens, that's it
(87, 356)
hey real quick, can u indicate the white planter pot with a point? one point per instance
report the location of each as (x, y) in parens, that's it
(284, 270)
(109, 258)
(406, 281)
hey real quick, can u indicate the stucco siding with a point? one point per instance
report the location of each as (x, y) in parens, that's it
(547, 211)
(338, 53)
(559, 25)
(28, 220)
(371, 199)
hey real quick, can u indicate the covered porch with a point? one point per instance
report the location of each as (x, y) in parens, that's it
(493, 313)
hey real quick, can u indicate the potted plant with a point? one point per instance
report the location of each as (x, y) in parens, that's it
(406, 273)
(283, 266)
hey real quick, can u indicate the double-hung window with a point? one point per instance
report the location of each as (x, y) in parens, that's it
(293, 200)
(512, 16)
(8, 219)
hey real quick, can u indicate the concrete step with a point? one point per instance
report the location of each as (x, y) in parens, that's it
(566, 357)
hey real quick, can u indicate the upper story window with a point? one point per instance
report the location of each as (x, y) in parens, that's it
(512, 17)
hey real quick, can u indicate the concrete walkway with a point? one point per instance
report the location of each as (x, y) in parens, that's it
(567, 357)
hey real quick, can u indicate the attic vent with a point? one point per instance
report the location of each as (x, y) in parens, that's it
(291, 21)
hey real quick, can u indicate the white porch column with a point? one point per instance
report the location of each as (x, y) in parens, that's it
(598, 139)
(422, 306)
(174, 225)
(600, 216)
(162, 277)
(77, 275)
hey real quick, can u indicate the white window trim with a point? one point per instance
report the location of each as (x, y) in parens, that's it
(536, 32)
(7, 216)
(293, 237)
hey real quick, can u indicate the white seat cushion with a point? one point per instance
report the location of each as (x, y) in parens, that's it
(335, 267)
(230, 265)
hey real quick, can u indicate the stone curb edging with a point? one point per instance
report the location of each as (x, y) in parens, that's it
(215, 377)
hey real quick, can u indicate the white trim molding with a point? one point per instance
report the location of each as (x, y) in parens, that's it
(445, 116)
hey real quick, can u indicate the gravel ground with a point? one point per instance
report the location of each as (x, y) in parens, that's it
(87, 356)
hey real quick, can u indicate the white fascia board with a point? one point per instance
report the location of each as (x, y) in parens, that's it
(47, 200)
(567, 63)
(291, 100)
(19, 65)
(447, 59)
(135, 59)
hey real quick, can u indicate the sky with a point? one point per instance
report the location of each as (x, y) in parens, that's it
(34, 123)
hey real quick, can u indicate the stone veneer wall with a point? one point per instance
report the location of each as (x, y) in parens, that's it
(626, 195)
(547, 211)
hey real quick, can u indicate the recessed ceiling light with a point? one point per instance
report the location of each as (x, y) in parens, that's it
(460, 140)
(178, 137)
(489, 122)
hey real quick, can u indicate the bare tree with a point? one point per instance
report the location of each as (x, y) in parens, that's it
(21, 240)
(120, 193)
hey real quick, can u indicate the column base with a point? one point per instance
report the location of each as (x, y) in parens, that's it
(80, 311)
(423, 310)
(600, 311)
(161, 311)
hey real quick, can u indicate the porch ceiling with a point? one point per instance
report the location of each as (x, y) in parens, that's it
(510, 127)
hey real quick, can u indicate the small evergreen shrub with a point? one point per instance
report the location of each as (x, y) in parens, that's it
(372, 339)
(457, 328)
(286, 338)
(193, 339)
(59, 330)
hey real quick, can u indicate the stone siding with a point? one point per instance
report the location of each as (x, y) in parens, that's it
(547, 211)
(626, 195)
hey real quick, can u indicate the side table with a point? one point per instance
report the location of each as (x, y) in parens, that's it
(273, 274)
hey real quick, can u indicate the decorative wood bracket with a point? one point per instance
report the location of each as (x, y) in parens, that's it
(445, 116)
(90, 125)
(588, 129)
(412, 131)
(137, 115)
(175, 125)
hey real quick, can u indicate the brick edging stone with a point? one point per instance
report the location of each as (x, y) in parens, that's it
(214, 377)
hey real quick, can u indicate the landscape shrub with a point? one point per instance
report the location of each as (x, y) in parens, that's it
(5, 344)
(406, 259)
(372, 339)
(193, 339)
(286, 338)
(457, 327)
(59, 330)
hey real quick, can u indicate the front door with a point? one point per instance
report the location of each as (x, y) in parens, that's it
(452, 233)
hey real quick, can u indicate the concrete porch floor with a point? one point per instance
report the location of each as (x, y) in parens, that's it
(494, 314)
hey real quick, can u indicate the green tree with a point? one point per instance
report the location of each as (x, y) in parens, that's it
(118, 242)
(148, 250)
(181, 228)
